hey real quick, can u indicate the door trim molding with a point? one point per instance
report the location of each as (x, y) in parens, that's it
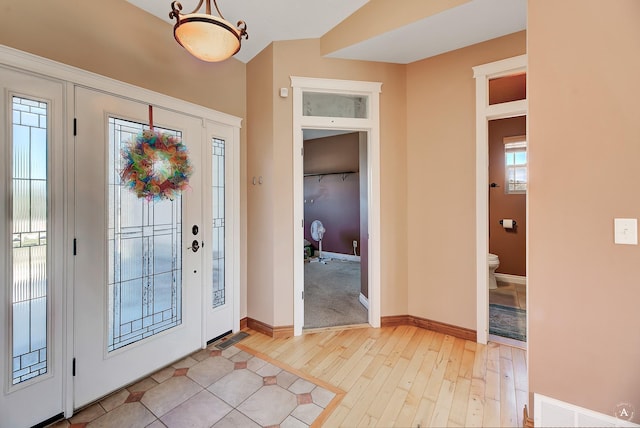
(49, 68)
(485, 113)
(371, 125)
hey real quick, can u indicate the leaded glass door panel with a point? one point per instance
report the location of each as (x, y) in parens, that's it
(221, 282)
(31, 249)
(138, 282)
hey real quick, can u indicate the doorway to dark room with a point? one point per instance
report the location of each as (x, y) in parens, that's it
(336, 221)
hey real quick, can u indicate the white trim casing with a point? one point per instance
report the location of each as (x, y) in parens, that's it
(484, 113)
(371, 125)
(70, 74)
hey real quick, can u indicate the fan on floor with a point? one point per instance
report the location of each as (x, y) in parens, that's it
(317, 232)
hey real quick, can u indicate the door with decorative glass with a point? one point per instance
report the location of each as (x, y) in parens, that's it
(32, 249)
(139, 262)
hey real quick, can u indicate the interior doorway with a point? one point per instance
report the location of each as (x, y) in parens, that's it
(330, 104)
(336, 220)
(485, 112)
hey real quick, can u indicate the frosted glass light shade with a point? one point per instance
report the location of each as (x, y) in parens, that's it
(207, 37)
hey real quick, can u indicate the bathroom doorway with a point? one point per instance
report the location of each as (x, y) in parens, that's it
(492, 104)
(335, 218)
(507, 145)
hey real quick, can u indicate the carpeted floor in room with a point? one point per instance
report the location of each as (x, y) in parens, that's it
(331, 294)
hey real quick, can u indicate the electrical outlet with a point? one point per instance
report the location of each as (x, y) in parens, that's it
(355, 244)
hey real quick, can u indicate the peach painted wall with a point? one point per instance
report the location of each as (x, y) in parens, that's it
(260, 206)
(302, 58)
(139, 50)
(509, 244)
(440, 211)
(118, 40)
(584, 133)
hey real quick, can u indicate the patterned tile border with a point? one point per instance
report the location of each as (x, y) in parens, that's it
(288, 378)
(329, 408)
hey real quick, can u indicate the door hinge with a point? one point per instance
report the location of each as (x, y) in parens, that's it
(302, 294)
(75, 247)
(301, 151)
(302, 224)
(73, 367)
(75, 126)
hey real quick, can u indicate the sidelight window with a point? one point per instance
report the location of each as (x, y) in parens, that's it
(30, 222)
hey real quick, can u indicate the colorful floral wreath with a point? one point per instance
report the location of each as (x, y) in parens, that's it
(156, 165)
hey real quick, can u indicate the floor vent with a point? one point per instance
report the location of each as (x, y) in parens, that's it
(550, 412)
(225, 342)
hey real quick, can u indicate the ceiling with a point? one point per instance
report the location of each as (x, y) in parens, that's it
(275, 20)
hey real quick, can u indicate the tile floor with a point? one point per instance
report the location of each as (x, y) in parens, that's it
(214, 388)
(508, 294)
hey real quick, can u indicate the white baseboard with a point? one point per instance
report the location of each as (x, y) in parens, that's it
(338, 256)
(513, 279)
(364, 301)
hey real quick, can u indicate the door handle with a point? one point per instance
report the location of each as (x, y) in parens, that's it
(195, 246)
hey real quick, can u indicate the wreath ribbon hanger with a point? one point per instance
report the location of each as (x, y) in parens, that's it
(156, 165)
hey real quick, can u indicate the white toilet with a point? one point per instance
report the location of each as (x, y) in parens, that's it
(494, 262)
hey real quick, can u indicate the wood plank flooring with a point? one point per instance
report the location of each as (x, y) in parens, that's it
(408, 377)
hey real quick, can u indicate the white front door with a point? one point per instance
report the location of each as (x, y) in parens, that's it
(138, 277)
(31, 248)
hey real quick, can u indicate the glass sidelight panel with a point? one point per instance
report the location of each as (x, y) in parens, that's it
(218, 187)
(29, 255)
(145, 253)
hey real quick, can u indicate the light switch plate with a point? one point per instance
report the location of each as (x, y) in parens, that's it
(625, 231)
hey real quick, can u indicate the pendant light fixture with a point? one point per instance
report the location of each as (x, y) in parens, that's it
(207, 37)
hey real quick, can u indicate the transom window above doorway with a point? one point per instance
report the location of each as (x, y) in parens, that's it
(335, 105)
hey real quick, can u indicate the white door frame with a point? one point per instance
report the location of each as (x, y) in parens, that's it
(371, 125)
(485, 113)
(72, 75)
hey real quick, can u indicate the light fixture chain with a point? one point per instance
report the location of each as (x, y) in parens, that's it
(176, 7)
(215, 3)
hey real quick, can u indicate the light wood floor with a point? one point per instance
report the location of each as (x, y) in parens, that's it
(408, 377)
